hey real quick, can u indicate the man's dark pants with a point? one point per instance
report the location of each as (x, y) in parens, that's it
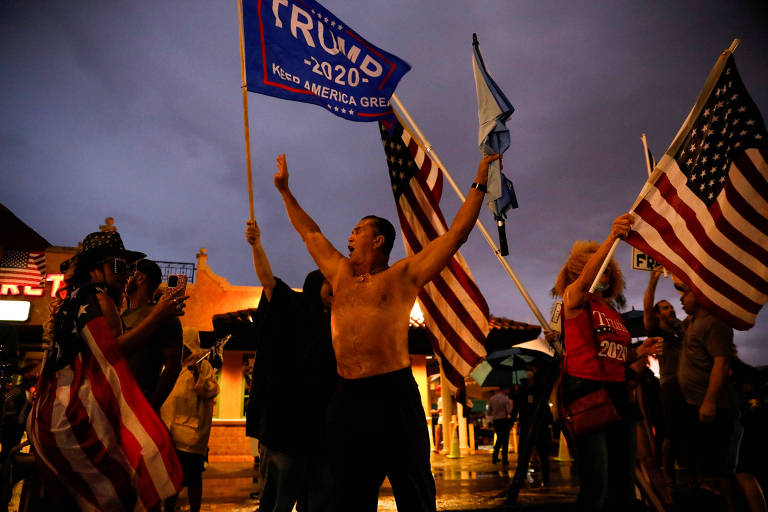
(502, 428)
(377, 428)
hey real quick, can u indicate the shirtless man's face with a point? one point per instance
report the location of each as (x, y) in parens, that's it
(362, 241)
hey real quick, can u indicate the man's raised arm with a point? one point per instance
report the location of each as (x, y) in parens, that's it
(322, 251)
(649, 315)
(260, 260)
(427, 263)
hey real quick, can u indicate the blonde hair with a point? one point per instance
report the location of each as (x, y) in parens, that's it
(581, 251)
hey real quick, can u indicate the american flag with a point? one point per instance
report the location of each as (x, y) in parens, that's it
(92, 429)
(22, 267)
(703, 213)
(455, 312)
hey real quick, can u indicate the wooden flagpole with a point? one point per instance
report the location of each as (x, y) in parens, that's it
(687, 125)
(428, 147)
(647, 160)
(244, 88)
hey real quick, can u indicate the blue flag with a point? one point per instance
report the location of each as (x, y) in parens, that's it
(493, 110)
(298, 50)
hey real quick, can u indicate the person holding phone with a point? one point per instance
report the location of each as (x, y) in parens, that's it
(98, 443)
(157, 364)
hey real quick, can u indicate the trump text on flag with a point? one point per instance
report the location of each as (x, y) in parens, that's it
(298, 50)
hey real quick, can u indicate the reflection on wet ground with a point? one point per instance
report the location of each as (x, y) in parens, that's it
(467, 483)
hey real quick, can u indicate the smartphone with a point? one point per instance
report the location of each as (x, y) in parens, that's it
(177, 285)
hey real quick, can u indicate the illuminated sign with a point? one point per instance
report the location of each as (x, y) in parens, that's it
(14, 310)
(56, 280)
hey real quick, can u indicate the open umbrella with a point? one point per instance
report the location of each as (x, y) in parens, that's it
(507, 367)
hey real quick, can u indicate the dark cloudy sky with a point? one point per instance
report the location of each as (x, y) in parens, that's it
(132, 109)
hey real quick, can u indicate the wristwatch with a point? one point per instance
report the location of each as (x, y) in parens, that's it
(479, 186)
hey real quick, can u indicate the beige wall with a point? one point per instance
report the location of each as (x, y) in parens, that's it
(213, 295)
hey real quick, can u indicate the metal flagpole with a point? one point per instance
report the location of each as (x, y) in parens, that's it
(431, 152)
(245, 108)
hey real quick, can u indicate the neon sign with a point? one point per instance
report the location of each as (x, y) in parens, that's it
(14, 310)
(56, 280)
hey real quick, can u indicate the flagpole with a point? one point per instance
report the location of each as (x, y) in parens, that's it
(650, 171)
(708, 86)
(606, 261)
(647, 160)
(245, 108)
(431, 152)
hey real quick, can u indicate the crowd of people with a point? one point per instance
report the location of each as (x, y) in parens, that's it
(695, 440)
(121, 412)
(125, 399)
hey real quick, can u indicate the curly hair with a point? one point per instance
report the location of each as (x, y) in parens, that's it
(581, 251)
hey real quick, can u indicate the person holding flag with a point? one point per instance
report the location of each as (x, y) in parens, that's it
(597, 353)
(377, 395)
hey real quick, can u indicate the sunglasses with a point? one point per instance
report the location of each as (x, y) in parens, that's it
(118, 265)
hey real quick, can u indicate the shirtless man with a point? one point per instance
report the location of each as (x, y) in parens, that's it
(377, 397)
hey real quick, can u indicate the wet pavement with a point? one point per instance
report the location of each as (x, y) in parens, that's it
(468, 483)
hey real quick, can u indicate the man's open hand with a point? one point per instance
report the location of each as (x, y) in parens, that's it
(281, 177)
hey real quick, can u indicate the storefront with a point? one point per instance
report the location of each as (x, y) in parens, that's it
(215, 308)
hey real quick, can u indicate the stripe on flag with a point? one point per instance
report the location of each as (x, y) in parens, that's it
(703, 214)
(92, 428)
(455, 312)
(25, 268)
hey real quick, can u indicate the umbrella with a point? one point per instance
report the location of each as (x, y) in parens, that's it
(493, 110)
(507, 367)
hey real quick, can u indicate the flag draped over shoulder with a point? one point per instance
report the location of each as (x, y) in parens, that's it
(455, 312)
(703, 214)
(92, 429)
(22, 267)
(298, 50)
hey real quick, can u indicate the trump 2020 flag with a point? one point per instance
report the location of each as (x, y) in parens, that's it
(493, 110)
(703, 214)
(298, 50)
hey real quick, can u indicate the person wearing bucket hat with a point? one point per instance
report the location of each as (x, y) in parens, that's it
(91, 423)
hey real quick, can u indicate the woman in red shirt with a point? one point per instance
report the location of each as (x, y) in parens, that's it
(596, 356)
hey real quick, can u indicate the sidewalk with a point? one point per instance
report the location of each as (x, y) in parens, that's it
(469, 483)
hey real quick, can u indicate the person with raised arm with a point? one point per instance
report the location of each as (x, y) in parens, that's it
(659, 319)
(377, 396)
(597, 355)
(293, 355)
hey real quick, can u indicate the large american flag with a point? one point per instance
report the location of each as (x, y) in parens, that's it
(92, 429)
(455, 312)
(703, 213)
(22, 267)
